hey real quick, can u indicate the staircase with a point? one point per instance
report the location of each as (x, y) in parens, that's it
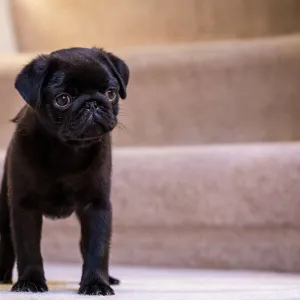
(207, 173)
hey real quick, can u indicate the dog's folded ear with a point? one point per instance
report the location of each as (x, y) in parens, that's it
(30, 80)
(120, 70)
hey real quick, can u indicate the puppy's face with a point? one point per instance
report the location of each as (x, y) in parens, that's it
(75, 92)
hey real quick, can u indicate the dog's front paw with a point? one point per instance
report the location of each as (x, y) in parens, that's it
(96, 288)
(30, 286)
(114, 281)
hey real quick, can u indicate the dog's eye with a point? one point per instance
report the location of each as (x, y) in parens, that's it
(62, 100)
(111, 94)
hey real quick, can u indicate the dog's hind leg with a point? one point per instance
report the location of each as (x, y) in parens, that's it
(7, 255)
(113, 281)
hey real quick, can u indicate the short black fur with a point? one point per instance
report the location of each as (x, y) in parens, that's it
(59, 162)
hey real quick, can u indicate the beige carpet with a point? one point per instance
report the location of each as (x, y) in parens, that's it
(148, 284)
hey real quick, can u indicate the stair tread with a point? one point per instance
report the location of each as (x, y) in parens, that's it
(163, 283)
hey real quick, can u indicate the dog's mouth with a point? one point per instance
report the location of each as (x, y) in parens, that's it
(85, 139)
(89, 126)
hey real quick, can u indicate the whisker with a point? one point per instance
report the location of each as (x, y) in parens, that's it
(125, 110)
(121, 126)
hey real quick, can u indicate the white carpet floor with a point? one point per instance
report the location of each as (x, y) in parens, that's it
(161, 284)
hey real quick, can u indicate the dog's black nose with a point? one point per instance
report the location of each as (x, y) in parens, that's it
(91, 104)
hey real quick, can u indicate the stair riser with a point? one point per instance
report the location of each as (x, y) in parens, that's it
(220, 206)
(222, 248)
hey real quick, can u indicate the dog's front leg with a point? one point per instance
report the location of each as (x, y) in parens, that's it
(27, 226)
(95, 243)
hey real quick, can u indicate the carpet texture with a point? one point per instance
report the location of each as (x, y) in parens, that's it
(174, 284)
(233, 206)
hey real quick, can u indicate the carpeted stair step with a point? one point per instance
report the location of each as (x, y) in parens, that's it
(138, 22)
(223, 206)
(218, 92)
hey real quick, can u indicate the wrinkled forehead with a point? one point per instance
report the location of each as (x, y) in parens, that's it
(83, 74)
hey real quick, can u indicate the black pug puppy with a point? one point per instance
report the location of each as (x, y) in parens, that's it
(59, 162)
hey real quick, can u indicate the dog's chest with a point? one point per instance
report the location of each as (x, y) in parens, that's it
(57, 201)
